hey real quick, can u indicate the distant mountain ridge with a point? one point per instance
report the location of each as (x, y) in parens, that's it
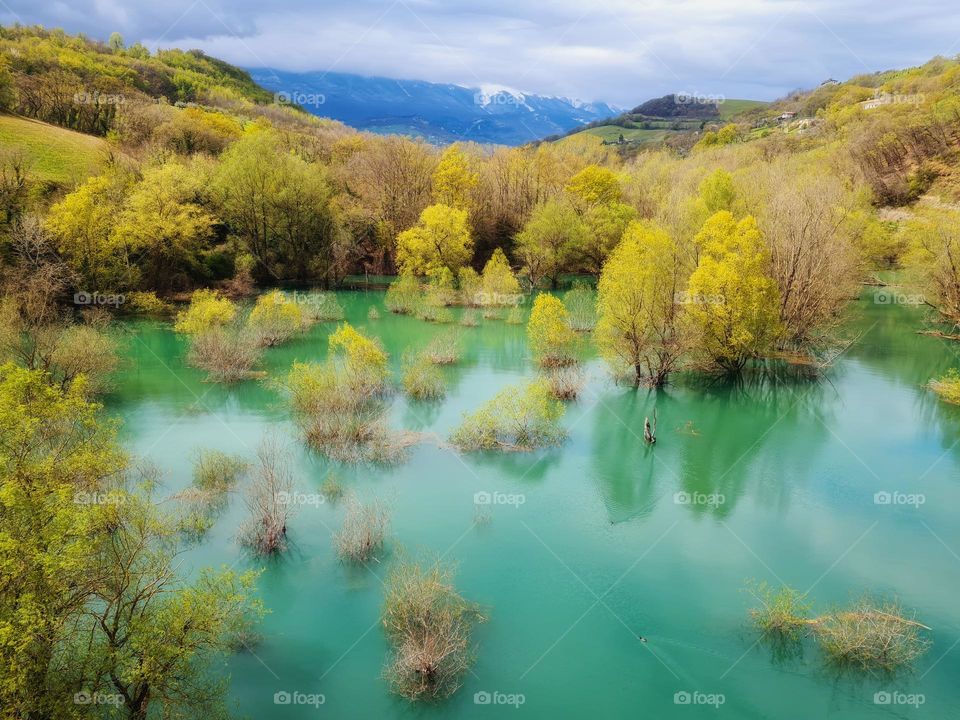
(440, 113)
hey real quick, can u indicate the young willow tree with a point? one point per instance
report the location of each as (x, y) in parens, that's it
(732, 301)
(641, 327)
(499, 286)
(552, 340)
(454, 180)
(440, 240)
(597, 195)
(549, 240)
(90, 597)
(282, 208)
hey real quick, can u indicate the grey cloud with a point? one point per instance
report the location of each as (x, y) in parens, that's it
(622, 51)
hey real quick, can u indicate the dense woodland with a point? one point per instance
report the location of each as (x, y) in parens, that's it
(741, 248)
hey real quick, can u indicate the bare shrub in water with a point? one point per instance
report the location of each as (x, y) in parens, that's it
(869, 635)
(445, 348)
(428, 625)
(363, 531)
(268, 499)
(565, 382)
(226, 354)
(469, 318)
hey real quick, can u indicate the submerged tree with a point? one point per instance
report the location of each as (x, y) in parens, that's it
(499, 286)
(552, 340)
(428, 625)
(275, 318)
(269, 499)
(581, 307)
(732, 300)
(339, 404)
(363, 532)
(642, 327)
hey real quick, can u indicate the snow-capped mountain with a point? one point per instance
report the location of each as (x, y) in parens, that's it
(440, 113)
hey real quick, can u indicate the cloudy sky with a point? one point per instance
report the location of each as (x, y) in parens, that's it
(620, 51)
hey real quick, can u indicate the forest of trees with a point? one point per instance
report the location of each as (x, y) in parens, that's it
(745, 249)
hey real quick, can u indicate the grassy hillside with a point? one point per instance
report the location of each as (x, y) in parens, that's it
(642, 130)
(732, 108)
(612, 133)
(55, 155)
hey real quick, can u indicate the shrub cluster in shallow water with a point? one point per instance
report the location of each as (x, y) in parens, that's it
(428, 625)
(517, 418)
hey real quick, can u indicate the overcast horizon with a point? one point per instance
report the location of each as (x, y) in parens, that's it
(621, 52)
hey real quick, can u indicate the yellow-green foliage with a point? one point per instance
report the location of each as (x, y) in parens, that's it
(403, 295)
(83, 225)
(454, 179)
(518, 418)
(441, 239)
(726, 135)
(469, 284)
(276, 318)
(339, 404)
(422, 379)
(731, 300)
(499, 286)
(359, 355)
(948, 386)
(57, 453)
(640, 327)
(145, 303)
(595, 185)
(552, 340)
(934, 243)
(208, 309)
(581, 307)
